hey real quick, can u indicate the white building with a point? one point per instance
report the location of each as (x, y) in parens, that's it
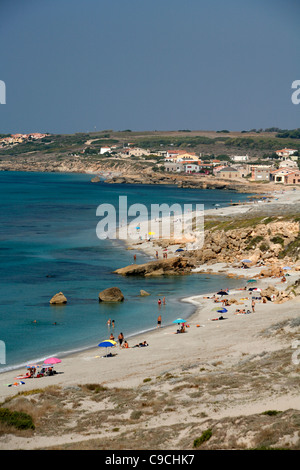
(191, 168)
(288, 164)
(240, 158)
(285, 153)
(104, 150)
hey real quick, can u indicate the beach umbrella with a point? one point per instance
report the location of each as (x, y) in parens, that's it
(179, 320)
(222, 292)
(252, 280)
(179, 249)
(287, 267)
(108, 343)
(222, 310)
(246, 261)
(52, 360)
(151, 233)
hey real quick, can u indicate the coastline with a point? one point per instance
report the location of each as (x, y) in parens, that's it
(148, 251)
(129, 367)
(208, 347)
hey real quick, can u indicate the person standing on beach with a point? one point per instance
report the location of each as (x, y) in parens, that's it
(120, 338)
(156, 254)
(253, 306)
(159, 321)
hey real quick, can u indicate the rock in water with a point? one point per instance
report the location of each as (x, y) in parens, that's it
(143, 293)
(58, 299)
(96, 179)
(112, 294)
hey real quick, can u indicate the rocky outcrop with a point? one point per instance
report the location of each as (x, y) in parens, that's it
(58, 299)
(173, 266)
(96, 179)
(264, 242)
(111, 294)
(143, 293)
(277, 297)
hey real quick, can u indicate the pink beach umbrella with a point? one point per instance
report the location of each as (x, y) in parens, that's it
(52, 360)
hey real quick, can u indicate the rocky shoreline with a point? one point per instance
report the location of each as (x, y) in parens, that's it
(125, 172)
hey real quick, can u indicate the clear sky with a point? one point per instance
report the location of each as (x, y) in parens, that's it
(84, 65)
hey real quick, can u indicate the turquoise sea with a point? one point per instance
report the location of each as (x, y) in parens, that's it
(48, 244)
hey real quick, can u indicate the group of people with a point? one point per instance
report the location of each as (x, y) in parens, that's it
(110, 323)
(124, 344)
(163, 302)
(182, 329)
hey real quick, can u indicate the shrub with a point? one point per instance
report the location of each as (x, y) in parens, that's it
(278, 240)
(264, 246)
(136, 415)
(17, 419)
(205, 436)
(271, 412)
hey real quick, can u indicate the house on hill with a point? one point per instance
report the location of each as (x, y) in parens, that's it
(285, 176)
(285, 153)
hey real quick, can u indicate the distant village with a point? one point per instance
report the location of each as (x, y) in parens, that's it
(281, 169)
(284, 169)
(15, 139)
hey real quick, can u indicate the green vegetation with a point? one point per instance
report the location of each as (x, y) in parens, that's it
(16, 419)
(178, 142)
(271, 412)
(292, 249)
(136, 415)
(253, 242)
(205, 436)
(293, 134)
(278, 240)
(264, 246)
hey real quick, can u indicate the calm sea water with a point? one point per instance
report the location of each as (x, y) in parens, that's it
(48, 244)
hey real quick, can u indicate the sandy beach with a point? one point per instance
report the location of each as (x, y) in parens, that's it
(144, 241)
(206, 342)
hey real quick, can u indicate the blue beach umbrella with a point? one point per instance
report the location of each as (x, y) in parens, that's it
(222, 310)
(246, 261)
(107, 344)
(287, 267)
(179, 320)
(179, 249)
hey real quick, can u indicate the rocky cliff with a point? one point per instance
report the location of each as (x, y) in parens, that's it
(263, 242)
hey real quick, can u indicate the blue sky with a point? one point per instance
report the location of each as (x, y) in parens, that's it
(84, 65)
